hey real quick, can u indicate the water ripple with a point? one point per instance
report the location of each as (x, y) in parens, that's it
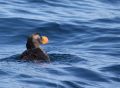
(84, 43)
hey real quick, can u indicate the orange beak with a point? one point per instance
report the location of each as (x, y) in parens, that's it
(44, 39)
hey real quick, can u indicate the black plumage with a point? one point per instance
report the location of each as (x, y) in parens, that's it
(34, 52)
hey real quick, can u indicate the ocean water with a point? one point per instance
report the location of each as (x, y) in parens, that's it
(84, 43)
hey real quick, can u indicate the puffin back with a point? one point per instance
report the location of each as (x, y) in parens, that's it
(35, 54)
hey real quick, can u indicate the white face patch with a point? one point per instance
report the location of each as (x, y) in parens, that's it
(36, 40)
(36, 37)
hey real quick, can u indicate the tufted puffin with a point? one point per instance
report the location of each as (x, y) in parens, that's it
(34, 51)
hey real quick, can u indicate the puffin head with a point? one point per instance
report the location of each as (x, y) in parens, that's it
(34, 41)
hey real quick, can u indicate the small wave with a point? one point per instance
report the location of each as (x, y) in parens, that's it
(86, 74)
(108, 20)
(59, 58)
(13, 58)
(112, 2)
(2, 73)
(115, 69)
(115, 79)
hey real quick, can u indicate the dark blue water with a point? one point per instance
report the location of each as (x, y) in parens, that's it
(84, 43)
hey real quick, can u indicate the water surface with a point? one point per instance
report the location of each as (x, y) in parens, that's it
(84, 43)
